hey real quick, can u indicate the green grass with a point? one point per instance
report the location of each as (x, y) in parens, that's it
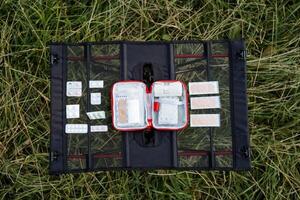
(272, 32)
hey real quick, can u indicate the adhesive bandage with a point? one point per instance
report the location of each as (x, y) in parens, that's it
(205, 102)
(205, 120)
(209, 87)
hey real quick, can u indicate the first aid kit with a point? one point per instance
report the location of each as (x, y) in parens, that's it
(137, 105)
(163, 107)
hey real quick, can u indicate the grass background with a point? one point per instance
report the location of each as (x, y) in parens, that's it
(272, 31)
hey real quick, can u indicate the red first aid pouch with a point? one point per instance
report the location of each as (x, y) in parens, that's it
(163, 107)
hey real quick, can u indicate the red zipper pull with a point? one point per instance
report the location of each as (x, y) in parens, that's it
(156, 106)
(150, 125)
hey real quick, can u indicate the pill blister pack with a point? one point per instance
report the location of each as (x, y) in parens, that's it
(74, 90)
(76, 128)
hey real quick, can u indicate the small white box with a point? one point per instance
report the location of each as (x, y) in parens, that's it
(72, 111)
(96, 84)
(166, 89)
(96, 98)
(74, 88)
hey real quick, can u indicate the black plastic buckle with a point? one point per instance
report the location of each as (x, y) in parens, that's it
(242, 55)
(54, 59)
(245, 152)
(54, 155)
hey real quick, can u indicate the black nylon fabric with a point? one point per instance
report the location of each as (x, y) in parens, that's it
(239, 106)
(57, 91)
(164, 152)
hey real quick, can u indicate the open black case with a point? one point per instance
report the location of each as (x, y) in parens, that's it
(194, 148)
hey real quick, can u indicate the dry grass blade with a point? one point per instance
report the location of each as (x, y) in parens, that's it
(271, 29)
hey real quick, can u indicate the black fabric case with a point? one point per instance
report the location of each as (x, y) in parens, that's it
(149, 62)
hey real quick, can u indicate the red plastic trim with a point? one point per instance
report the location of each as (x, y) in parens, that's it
(75, 58)
(200, 56)
(76, 157)
(108, 155)
(106, 57)
(117, 155)
(150, 124)
(102, 57)
(190, 153)
(193, 153)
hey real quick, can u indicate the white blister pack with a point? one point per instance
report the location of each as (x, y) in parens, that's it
(96, 115)
(99, 128)
(76, 128)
